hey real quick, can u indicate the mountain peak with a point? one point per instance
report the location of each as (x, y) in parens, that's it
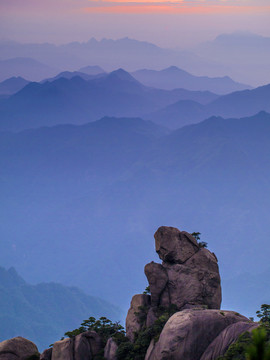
(122, 75)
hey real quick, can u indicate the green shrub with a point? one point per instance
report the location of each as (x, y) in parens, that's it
(138, 349)
(259, 349)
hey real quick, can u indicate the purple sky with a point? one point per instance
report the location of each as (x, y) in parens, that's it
(166, 23)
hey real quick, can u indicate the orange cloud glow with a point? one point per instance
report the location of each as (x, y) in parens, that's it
(173, 7)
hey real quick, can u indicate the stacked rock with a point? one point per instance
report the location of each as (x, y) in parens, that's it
(187, 280)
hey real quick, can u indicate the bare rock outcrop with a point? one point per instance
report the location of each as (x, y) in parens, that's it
(83, 346)
(227, 337)
(18, 348)
(134, 321)
(188, 276)
(174, 246)
(110, 350)
(63, 349)
(46, 355)
(188, 333)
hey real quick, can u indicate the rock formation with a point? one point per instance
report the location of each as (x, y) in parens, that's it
(187, 285)
(188, 277)
(189, 274)
(228, 336)
(110, 350)
(46, 355)
(187, 280)
(188, 333)
(18, 348)
(135, 313)
(83, 346)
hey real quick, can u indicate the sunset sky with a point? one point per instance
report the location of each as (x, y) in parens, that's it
(167, 23)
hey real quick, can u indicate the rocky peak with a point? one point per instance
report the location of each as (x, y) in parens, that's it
(174, 246)
(188, 277)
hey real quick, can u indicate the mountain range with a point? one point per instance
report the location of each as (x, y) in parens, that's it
(93, 195)
(107, 53)
(237, 104)
(245, 56)
(25, 67)
(76, 100)
(44, 312)
(173, 77)
(242, 56)
(12, 85)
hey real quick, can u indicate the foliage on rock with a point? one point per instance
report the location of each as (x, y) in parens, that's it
(104, 327)
(138, 349)
(255, 345)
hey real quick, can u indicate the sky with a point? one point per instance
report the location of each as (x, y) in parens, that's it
(174, 23)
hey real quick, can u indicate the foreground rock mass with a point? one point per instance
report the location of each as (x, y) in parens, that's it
(188, 333)
(187, 283)
(18, 348)
(83, 346)
(228, 336)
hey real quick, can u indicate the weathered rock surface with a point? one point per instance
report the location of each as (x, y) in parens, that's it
(18, 348)
(174, 246)
(46, 355)
(83, 346)
(158, 278)
(63, 350)
(227, 337)
(150, 349)
(188, 276)
(110, 350)
(87, 345)
(197, 282)
(133, 319)
(188, 333)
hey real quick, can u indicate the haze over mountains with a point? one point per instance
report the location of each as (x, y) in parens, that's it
(44, 312)
(93, 161)
(104, 187)
(25, 67)
(72, 98)
(245, 57)
(12, 85)
(77, 100)
(107, 53)
(172, 77)
(237, 104)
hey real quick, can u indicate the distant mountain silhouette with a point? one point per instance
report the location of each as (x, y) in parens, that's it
(12, 85)
(71, 74)
(108, 54)
(228, 55)
(27, 68)
(246, 56)
(173, 77)
(94, 193)
(179, 114)
(44, 312)
(242, 103)
(76, 100)
(92, 70)
(237, 104)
